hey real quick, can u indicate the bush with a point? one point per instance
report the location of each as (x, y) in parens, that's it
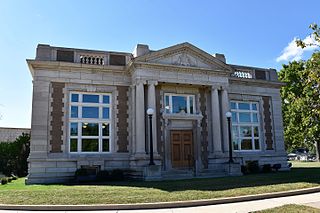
(14, 156)
(244, 170)
(4, 181)
(103, 175)
(81, 172)
(253, 166)
(14, 177)
(276, 166)
(266, 168)
(117, 174)
(9, 179)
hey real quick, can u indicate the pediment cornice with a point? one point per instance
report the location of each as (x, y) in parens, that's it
(184, 48)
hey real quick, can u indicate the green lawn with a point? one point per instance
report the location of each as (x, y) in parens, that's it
(301, 176)
(291, 208)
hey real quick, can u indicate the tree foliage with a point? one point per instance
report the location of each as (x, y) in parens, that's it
(315, 35)
(301, 99)
(13, 156)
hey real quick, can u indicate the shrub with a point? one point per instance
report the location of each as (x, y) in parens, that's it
(266, 168)
(244, 169)
(9, 179)
(103, 175)
(4, 181)
(253, 166)
(276, 166)
(14, 156)
(116, 175)
(14, 177)
(81, 172)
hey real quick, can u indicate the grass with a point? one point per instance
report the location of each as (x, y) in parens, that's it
(301, 176)
(292, 208)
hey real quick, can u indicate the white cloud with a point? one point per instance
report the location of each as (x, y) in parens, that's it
(294, 53)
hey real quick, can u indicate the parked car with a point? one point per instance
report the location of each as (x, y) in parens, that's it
(301, 154)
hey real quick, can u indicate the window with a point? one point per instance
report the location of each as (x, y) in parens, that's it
(89, 126)
(245, 125)
(176, 103)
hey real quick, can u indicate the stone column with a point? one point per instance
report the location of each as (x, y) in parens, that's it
(225, 108)
(216, 124)
(140, 119)
(152, 104)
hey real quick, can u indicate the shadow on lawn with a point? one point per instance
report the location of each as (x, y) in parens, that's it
(307, 175)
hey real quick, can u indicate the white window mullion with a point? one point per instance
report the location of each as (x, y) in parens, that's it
(170, 104)
(188, 105)
(79, 136)
(100, 136)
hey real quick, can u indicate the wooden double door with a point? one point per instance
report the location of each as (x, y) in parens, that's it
(182, 149)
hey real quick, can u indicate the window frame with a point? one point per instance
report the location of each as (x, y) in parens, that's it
(181, 95)
(252, 124)
(100, 121)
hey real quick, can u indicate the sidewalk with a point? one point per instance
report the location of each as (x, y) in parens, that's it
(240, 207)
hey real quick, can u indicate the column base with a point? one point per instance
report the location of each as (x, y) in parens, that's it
(152, 172)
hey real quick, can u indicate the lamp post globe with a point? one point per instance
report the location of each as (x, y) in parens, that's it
(150, 111)
(228, 114)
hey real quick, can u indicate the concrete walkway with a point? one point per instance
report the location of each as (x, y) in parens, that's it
(312, 200)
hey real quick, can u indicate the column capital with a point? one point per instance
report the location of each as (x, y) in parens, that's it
(140, 81)
(225, 88)
(215, 87)
(152, 82)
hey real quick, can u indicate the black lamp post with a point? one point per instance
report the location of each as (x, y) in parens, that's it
(150, 112)
(228, 115)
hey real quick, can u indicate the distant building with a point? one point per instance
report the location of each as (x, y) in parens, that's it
(10, 134)
(89, 111)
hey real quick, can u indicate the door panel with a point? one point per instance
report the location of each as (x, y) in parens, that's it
(182, 148)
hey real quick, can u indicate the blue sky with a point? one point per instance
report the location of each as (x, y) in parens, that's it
(253, 33)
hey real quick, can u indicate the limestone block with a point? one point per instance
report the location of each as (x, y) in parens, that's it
(57, 170)
(66, 164)
(38, 148)
(81, 81)
(168, 75)
(152, 172)
(37, 170)
(46, 73)
(71, 75)
(91, 76)
(43, 164)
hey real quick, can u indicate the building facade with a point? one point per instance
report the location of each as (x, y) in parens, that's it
(89, 110)
(8, 134)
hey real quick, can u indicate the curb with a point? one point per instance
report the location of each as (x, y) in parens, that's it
(162, 205)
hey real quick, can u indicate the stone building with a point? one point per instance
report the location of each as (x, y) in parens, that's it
(89, 111)
(8, 134)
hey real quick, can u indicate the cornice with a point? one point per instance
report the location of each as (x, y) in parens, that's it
(255, 82)
(57, 65)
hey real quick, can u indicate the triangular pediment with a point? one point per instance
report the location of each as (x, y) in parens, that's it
(186, 55)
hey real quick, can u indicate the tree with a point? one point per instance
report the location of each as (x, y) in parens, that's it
(291, 94)
(301, 98)
(311, 99)
(13, 156)
(315, 35)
